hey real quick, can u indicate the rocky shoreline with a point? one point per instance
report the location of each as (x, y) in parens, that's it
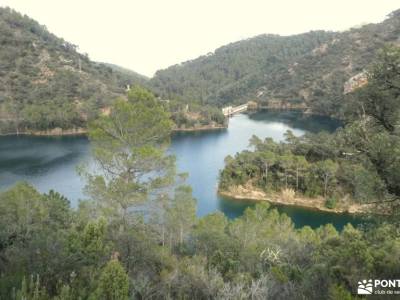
(200, 128)
(285, 198)
(51, 132)
(82, 131)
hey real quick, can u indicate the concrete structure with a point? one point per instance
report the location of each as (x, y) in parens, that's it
(231, 110)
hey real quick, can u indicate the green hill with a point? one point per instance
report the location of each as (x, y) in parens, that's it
(45, 83)
(307, 70)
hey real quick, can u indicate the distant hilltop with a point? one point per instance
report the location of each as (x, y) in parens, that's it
(313, 69)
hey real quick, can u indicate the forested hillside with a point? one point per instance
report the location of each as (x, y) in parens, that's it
(307, 70)
(45, 83)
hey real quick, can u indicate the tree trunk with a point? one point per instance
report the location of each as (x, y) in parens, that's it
(163, 235)
(326, 185)
(285, 179)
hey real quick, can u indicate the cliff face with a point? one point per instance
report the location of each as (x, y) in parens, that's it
(355, 82)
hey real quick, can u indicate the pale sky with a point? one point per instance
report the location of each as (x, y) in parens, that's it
(148, 35)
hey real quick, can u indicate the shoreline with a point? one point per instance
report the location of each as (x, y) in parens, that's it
(51, 132)
(254, 194)
(202, 128)
(83, 131)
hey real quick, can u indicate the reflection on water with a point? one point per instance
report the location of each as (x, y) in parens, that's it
(299, 215)
(46, 162)
(298, 120)
(50, 162)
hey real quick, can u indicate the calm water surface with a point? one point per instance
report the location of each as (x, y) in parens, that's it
(50, 162)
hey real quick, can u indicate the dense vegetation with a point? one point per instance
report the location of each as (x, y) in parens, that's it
(360, 160)
(306, 70)
(236, 69)
(137, 235)
(194, 115)
(311, 165)
(48, 251)
(45, 83)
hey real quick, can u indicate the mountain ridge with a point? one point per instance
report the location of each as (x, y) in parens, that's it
(304, 68)
(45, 83)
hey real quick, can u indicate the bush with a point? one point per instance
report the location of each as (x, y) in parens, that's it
(330, 202)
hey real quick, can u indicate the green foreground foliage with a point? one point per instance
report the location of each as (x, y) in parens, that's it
(49, 251)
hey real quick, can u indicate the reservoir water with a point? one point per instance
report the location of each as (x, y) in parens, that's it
(50, 162)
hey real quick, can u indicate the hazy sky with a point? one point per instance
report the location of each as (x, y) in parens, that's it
(148, 35)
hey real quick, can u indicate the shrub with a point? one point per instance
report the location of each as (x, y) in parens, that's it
(330, 202)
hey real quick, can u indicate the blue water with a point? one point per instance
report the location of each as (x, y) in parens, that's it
(202, 154)
(50, 162)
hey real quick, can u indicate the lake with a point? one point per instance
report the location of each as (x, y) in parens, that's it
(50, 162)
